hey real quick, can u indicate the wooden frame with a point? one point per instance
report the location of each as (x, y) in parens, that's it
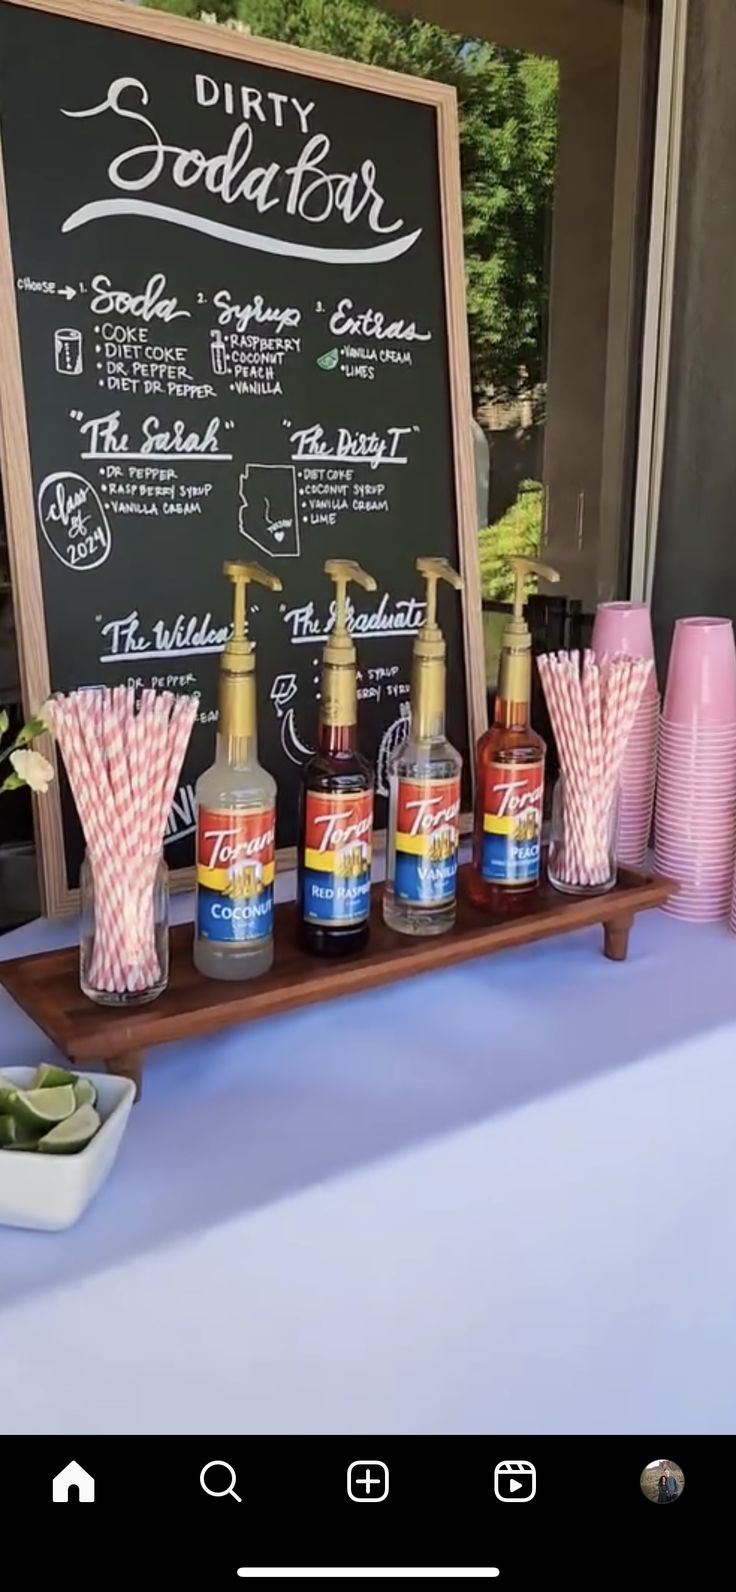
(14, 445)
(655, 353)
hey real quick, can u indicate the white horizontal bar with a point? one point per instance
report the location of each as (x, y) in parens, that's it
(366, 1572)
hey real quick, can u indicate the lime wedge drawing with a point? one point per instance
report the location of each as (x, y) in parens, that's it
(329, 360)
(40, 1108)
(72, 1135)
(85, 1093)
(47, 1076)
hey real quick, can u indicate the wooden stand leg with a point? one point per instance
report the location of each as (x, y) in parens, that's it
(129, 1065)
(616, 937)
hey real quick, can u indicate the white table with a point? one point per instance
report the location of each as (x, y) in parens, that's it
(495, 1199)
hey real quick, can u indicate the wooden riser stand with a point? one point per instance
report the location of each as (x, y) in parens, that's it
(46, 986)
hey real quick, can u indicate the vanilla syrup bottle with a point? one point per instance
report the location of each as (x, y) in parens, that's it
(336, 799)
(236, 816)
(424, 788)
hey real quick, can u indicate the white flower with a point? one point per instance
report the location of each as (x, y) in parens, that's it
(43, 716)
(34, 769)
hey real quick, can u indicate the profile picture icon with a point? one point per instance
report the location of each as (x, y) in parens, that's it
(662, 1481)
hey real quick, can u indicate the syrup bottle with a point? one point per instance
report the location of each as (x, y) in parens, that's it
(424, 787)
(509, 775)
(236, 815)
(336, 800)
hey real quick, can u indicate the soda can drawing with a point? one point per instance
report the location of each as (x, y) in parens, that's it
(68, 351)
(218, 354)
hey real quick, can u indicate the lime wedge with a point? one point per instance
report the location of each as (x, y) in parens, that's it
(71, 1135)
(329, 360)
(42, 1107)
(47, 1076)
(8, 1092)
(85, 1093)
(16, 1135)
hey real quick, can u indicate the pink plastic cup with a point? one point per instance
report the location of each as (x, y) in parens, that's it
(701, 678)
(696, 779)
(692, 794)
(702, 912)
(704, 748)
(698, 736)
(693, 855)
(714, 846)
(699, 773)
(625, 627)
(716, 839)
(687, 838)
(707, 886)
(701, 893)
(721, 803)
(695, 896)
(710, 831)
(696, 784)
(639, 774)
(704, 760)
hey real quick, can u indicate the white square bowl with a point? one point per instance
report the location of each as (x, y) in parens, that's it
(51, 1191)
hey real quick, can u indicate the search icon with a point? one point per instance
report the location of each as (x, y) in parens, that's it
(221, 1492)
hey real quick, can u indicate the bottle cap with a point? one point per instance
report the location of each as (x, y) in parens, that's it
(339, 647)
(516, 635)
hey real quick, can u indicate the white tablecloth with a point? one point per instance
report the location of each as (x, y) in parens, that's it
(500, 1198)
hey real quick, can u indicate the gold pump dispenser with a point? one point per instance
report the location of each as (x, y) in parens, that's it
(515, 670)
(339, 705)
(429, 653)
(237, 695)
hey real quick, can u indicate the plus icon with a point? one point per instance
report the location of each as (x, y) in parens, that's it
(367, 1481)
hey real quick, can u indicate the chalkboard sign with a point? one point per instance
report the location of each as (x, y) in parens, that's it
(232, 325)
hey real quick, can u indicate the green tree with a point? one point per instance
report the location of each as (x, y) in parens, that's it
(517, 533)
(507, 102)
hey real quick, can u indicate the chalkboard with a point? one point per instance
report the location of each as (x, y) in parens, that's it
(232, 325)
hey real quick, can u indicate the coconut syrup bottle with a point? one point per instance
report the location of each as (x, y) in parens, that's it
(236, 815)
(336, 799)
(424, 788)
(509, 775)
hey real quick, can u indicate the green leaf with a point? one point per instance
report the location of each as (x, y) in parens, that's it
(29, 732)
(4, 723)
(11, 782)
(519, 531)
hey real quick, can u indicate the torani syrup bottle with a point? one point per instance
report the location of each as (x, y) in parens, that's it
(424, 786)
(509, 775)
(236, 816)
(336, 802)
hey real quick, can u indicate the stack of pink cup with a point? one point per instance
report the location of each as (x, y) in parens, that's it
(627, 627)
(695, 813)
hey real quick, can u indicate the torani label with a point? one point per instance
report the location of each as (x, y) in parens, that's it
(512, 823)
(235, 874)
(426, 814)
(336, 867)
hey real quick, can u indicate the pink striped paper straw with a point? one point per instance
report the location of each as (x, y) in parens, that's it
(122, 767)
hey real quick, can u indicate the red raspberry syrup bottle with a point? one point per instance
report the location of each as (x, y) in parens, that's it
(509, 775)
(336, 799)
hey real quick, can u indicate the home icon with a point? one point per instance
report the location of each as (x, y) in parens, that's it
(76, 1481)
